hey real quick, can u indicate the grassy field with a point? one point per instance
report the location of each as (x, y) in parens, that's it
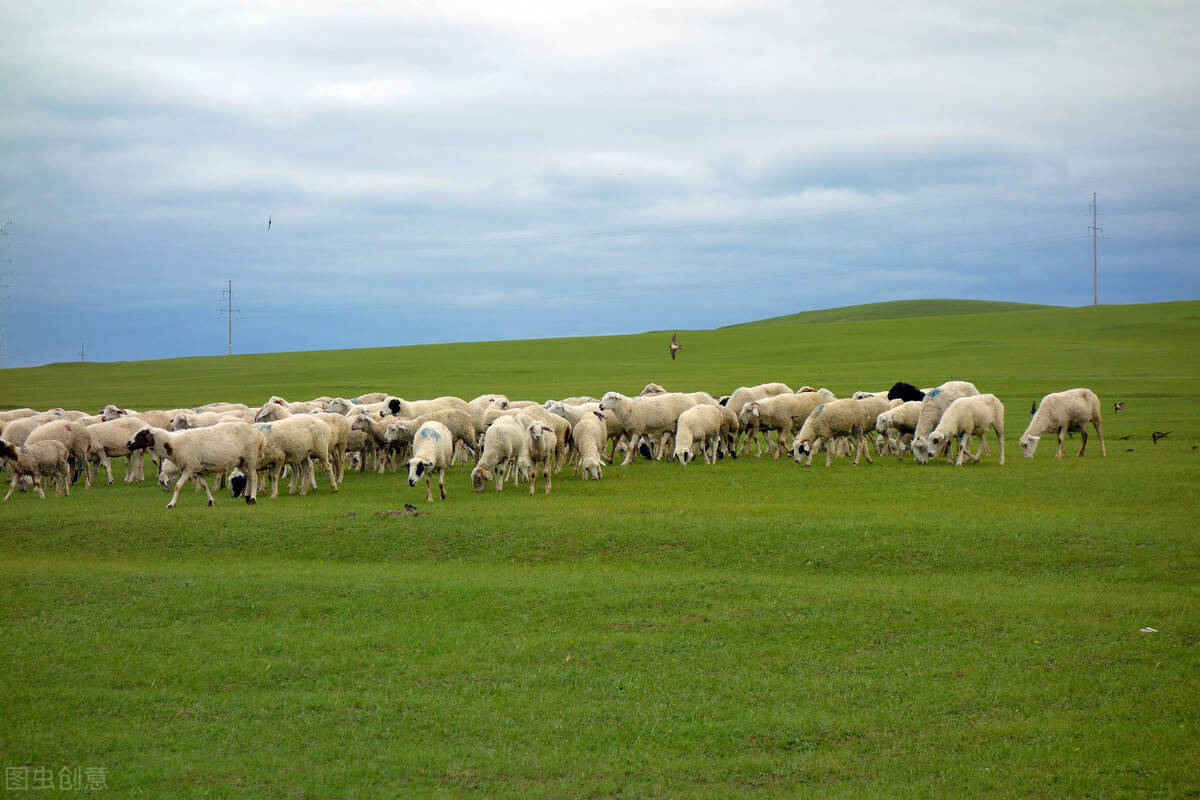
(753, 629)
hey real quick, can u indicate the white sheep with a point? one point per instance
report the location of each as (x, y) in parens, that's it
(339, 430)
(15, 414)
(73, 434)
(573, 412)
(745, 394)
(459, 423)
(543, 449)
(967, 417)
(699, 427)
(1060, 412)
(651, 416)
(505, 447)
(936, 401)
(292, 442)
(110, 440)
(784, 413)
(561, 426)
(204, 451)
(589, 434)
(433, 447)
(836, 418)
(902, 420)
(186, 420)
(46, 459)
(17, 431)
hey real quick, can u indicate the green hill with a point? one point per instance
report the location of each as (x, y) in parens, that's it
(896, 309)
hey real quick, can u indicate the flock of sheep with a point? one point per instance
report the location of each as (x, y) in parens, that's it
(513, 440)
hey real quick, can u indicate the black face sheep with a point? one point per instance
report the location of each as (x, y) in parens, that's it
(204, 451)
(433, 447)
(1060, 413)
(47, 458)
(905, 391)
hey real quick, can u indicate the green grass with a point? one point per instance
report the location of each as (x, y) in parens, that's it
(749, 629)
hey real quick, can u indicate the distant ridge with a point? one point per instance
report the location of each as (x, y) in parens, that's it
(895, 309)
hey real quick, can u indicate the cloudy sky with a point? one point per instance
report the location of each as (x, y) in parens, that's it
(474, 171)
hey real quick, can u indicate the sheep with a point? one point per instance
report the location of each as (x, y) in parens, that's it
(204, 451)
(186, 420)
(905, 391)
(399, 407)
(433, 447)
(111, 440)
(15, 414)
(965, 417)
(292, 441)
(651, 389)
(936, 401)
(543, 447)
(17, 431)
(836, 418)
(699, 426)
(370, 397)
(505, 445)
(784, 413)
(74, 435)
(562, 427)
(573, 412)
(222, 407)
(398, 439)
(339, 430)
(47, 458)
(379, 447)
(589, 434)
(903, 420)
(745, 394)
(651, 416)
(1060, 412)
(460, 424)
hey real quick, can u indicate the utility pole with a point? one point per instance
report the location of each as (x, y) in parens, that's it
(83, 352)
(229, 311)
(1095, 271)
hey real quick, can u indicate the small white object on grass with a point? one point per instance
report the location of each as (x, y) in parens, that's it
(1148, 630)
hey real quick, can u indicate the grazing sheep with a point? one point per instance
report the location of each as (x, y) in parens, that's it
(505, 446)
(936, 402)
(561, 426)
(1063, 412)
(74, 435)
(589, 434)
(745, 394)
(45, 459)
(543, 447)
(784, 413)
(203, 451)
(573, 412)
(460, 424)
(339, 438)
(433, 447)
(699, 427)
(903, 421)
(836, 418)
(379, 448)
(652, 416)
(967, 417)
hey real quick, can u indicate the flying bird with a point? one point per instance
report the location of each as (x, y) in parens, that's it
(268, 223)
(1130, 436)
(1118, 406)
(675, 348)
(1160, 435)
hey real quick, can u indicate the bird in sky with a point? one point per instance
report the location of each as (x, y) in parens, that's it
(675, 348)
(268, 223)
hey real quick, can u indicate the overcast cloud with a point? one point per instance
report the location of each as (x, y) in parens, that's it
(524, 170)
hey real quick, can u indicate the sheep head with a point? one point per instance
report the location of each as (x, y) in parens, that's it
(1029, 444)
(480, 478)
(416, 468)
(142, 440)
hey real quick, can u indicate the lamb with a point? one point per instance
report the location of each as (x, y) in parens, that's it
(202, 451)
(784, 413)
(936, 402)
(399, 407)
(965, 417)
(505, 445)
(292, 441)
(699, 427)
(74, 435)
(41, 459)
(111, 440)
(543, 449)
(651, 416)
(433, 447)
(836, 418)
(903, 420)
(589, 434)
(1060, 412)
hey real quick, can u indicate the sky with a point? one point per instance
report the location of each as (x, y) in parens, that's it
(479, 171)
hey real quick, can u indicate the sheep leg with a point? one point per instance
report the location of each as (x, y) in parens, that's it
(864, 447)
(12, 485)
(1059, 454)
(1083, 435)
(1000, 437)
(276, 473)
(184, 477)
(331, 472)
(1096, 425)
(37, 483)
(429, 486)
(442, 482)
(201, 481)
(634, 437)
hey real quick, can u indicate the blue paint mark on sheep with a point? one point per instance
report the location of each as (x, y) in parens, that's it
(934, 392)
(427, 432)
(265, 427)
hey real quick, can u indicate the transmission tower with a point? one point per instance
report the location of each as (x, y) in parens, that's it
(228, 311)
(1095, 262)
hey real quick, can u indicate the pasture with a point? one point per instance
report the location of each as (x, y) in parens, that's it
(750, 629)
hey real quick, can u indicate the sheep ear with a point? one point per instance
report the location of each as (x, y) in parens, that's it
(170, 450)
